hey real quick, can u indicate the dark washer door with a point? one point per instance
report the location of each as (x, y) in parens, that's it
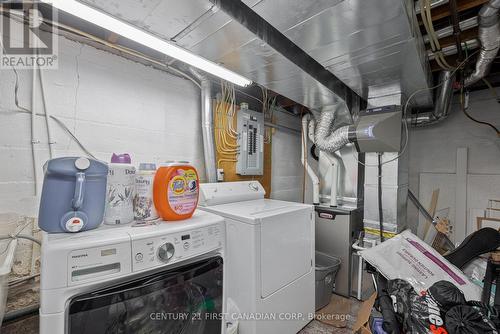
(184, 300)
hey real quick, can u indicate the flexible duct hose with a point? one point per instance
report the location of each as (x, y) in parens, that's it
(489, 35)
(324, 138)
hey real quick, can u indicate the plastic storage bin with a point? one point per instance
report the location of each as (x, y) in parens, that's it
(326, 269)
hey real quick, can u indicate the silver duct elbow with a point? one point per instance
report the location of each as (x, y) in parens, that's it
(489, 35)
(324, 138)
(442, 103)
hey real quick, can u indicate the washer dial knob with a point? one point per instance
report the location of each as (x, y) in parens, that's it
(166, 252)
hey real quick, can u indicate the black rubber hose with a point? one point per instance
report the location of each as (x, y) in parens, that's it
(380, 211)
(21, 313)
(313, 152)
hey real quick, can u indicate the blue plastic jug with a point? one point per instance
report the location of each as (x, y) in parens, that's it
(73, 195)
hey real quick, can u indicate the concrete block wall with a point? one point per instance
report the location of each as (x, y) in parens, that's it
(110, 103)
(113, 105)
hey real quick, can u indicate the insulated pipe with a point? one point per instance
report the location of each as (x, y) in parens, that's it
(310, 171)
(489, 36)
(324, 138)
(207, 126)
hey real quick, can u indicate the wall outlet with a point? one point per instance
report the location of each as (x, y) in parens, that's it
(220, 175)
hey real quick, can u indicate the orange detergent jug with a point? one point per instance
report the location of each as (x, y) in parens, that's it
(175, 190)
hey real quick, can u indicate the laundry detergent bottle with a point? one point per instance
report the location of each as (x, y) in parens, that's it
(120, 191)
(73, 195)
(175, 190)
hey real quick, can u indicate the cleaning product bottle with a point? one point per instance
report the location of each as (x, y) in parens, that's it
(144, 208)
(120, 190)
(175, 190)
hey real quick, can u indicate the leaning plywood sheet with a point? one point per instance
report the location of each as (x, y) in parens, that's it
(447, 187)
(432, 211)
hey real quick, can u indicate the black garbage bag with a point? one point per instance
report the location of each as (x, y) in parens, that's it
(467, 319)
(446, 294)
(417, 314)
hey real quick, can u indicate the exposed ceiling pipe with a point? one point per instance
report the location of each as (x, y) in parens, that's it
(434, 3)
(489, 36)
(448, 31)
(452, 49)
(207, 122)
(442, 103)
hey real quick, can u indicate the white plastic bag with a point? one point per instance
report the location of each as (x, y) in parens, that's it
(407, 257)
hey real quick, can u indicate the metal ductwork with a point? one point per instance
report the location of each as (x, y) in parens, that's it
(489, 36)
(207, 126)
(442, 103)
(385, 33)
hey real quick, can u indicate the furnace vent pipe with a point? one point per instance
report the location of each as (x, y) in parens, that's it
(312, 175)
(207, 126)
(489, 36)
(334, 162)
(442, 103)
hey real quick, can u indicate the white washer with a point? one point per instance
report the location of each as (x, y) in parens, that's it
(156, 278)
(269, 257)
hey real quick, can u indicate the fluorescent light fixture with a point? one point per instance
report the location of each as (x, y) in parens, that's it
(140, 36)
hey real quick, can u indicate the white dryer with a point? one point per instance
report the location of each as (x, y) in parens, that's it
(161, 278)
(269, 257)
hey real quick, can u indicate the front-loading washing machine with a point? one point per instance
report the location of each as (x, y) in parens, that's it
(269, 257)
(158, 278)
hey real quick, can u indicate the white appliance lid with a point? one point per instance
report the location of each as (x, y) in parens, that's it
(253, 211)
(230, 192)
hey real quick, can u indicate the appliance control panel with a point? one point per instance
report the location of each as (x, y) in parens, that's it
(170, 248)
(229, 192)
(98, 263)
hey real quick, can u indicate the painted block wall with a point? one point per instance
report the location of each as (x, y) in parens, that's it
(433, 149)
(113, 105)
(110, 103)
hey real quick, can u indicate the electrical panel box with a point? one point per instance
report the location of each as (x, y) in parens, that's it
(250, 127)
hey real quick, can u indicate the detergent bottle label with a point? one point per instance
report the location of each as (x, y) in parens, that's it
(182, 194)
